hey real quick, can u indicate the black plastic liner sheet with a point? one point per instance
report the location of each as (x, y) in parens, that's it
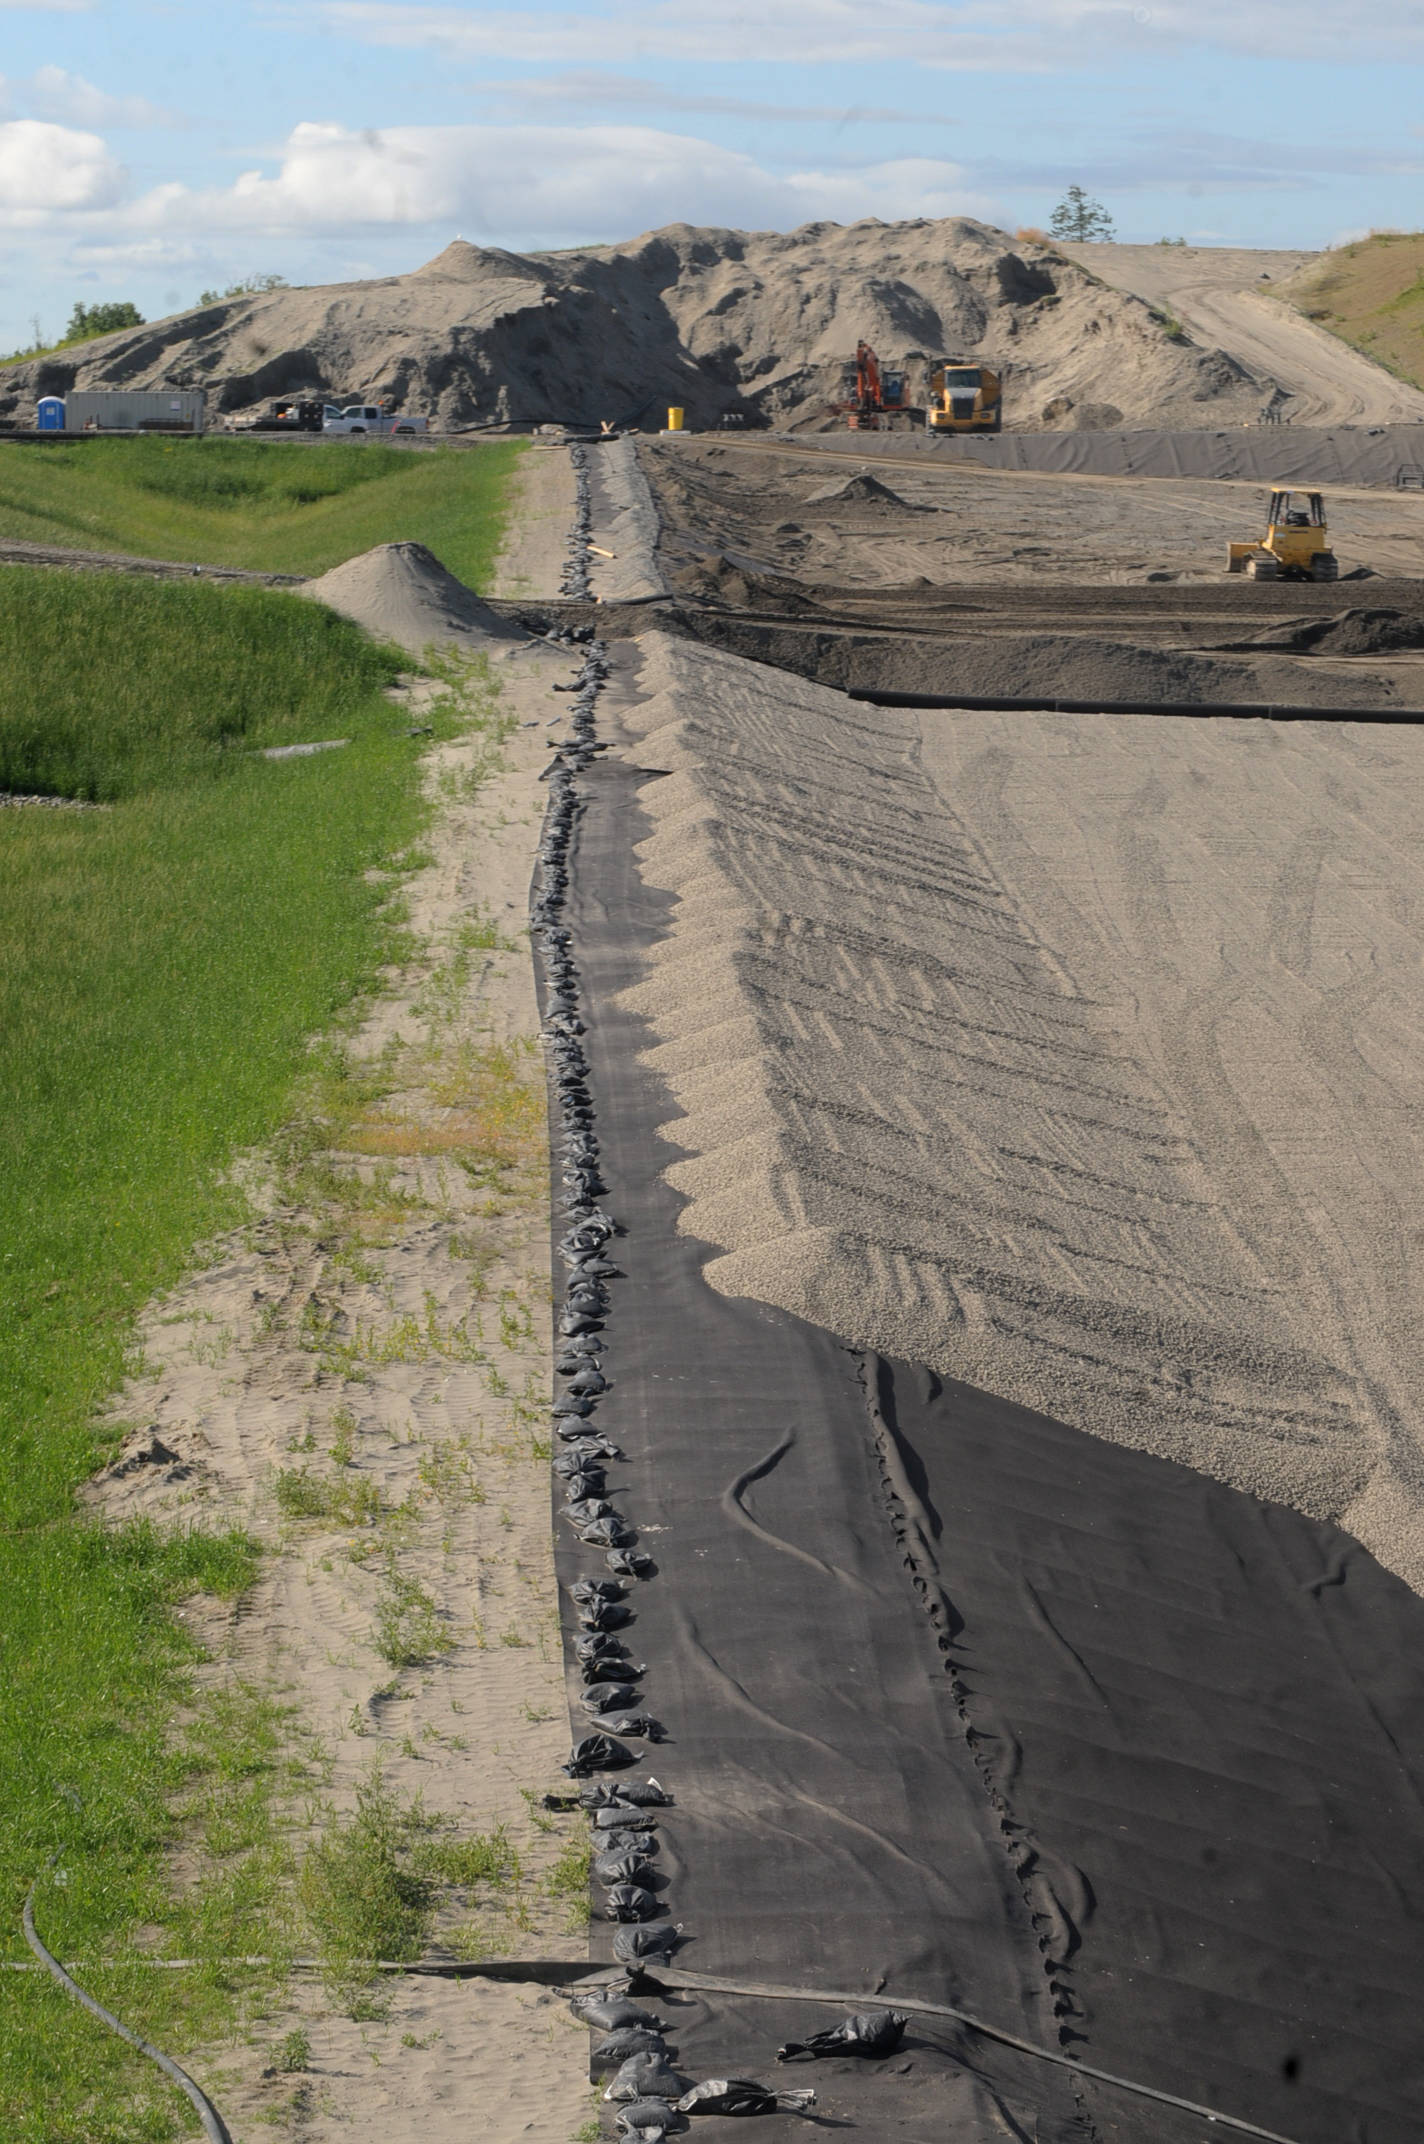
(968, 1706)
(1373, 455)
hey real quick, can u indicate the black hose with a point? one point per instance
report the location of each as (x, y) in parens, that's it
(214, 2126)
(1249, 710)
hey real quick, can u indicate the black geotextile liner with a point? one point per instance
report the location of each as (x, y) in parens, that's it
(1376, 454)
(1161, 1792)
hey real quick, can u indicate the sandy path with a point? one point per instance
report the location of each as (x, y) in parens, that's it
(1218, 293)
(395, 1339)
(1077, 1057)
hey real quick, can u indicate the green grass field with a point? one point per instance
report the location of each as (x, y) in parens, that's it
(163, 964)
(273, 507)
(1371, 294)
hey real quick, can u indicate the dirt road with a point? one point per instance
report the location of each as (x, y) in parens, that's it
(1225, 296)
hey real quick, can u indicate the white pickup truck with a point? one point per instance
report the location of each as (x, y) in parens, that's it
(361, 420)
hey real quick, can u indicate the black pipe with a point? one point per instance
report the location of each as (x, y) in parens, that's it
(1253, 710)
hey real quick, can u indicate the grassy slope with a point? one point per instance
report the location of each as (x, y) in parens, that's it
(1371, 294)
(162, 966)
(275, 507)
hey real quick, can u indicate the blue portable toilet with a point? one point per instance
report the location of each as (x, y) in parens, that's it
(49, 416)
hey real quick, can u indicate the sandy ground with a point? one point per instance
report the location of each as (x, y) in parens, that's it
(1225, 296)
(1077, 1057)
(975, 526)
(399, 1340)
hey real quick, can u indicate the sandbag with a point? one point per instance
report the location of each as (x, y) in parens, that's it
(641, 1843)
(597, 1753)
(613, 2012)
(742, 2095)
(872, 2033)
(616, 2047)
(629, 1902)
(608, 1531)
(609, 1696)
(649, 2121)
(645, 2077)
(632, 1945)
(636, 1723)
(617, 1866)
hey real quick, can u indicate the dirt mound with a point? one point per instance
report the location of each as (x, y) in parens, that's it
(864, 490)
(401, 592)
(753, 326)
(1043, 666)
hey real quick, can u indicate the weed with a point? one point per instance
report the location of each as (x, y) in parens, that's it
(538, 1816)
(567, 1880)
(343, 1447)
(303, 1495)
(409, 1629)
(362, 1885)
(293, 2052)
(446, 1472)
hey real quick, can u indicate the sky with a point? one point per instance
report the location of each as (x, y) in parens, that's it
(151, 150)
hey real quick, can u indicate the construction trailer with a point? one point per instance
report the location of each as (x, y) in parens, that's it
(168, 409)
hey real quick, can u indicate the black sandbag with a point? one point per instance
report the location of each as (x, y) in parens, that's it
(648, 2121)
(585, 1509)
(638, 1793)
(597, 1753)
(596, 1589)
(610, 1696)
(872, 2033)
(598, 1645)
(608, 1531)
(631, 1563)
(742, 2095)
(641, 1843)
(614, 2013)
(632, 1945)
(603, 1667)
(630, 1902)
(618, 1866)
(616, 2047)
(641, 1724)
(645, 2077)
(621, 1816)
(605, 1615)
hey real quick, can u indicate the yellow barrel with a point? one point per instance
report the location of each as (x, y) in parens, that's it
(675, 417)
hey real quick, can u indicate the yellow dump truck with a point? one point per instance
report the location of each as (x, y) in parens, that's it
(964, 397)
(1296, 545)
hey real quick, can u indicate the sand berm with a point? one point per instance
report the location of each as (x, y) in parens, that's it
(1077, 1059)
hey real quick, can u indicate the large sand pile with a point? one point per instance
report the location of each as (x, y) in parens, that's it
(401, 592)
(1078, 1057)
(753, 324)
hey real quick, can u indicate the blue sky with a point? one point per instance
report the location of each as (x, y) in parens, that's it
(150, 150)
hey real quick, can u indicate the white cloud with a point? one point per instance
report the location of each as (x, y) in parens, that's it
(1023, 36)
(68, 98)
(44, 168)
(536, 185)
(592, 88)
(706, 30)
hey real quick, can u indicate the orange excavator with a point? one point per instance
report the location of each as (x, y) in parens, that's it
(879, 395)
